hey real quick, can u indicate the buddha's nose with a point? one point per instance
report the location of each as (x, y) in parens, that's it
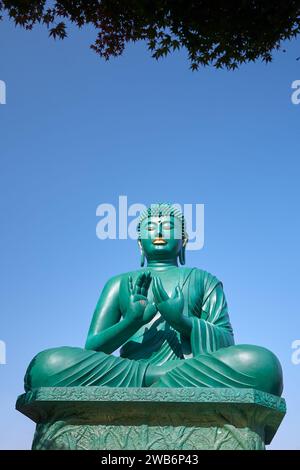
(159, 233)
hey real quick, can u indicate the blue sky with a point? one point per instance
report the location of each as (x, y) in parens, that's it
(77, 132)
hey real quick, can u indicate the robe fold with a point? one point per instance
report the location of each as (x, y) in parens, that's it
(208, 359)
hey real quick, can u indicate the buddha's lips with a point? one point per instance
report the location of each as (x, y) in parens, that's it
(159, 241)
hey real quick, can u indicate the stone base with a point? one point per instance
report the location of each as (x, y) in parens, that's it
(152, 418)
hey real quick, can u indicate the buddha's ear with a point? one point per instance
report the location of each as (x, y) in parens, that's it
(181, 254)
(142, 253)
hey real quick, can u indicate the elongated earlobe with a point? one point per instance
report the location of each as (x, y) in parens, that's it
(182, 255)
(142, 258)
(142, 254)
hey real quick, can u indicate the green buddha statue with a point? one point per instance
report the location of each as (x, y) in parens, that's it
(170, 324)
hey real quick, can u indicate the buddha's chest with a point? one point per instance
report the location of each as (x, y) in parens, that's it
(169, 280)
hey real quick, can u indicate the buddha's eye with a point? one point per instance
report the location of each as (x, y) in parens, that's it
(168, 226)
(150, 228)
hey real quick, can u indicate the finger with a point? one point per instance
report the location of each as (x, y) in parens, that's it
(155, 291)
(138, 283)
(152, 308)
(147, 281)
(144, 284)
(150, 312)
(138, 297)
(164, 296)
(130, 286)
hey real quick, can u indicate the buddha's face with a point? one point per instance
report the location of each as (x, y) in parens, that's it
(161, 237)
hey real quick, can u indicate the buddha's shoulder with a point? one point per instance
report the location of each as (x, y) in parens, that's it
(114, 281)
(208, 279)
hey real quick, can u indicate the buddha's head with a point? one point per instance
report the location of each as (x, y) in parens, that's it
(161, 233)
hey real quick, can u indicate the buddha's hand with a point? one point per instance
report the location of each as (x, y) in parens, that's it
(139, 309)
(171, 308)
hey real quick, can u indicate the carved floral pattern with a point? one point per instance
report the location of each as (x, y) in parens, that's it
(62, 436)
(152, 419)
(218, 395)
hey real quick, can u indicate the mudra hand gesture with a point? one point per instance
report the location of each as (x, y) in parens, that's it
(139, 309)
(171, 308)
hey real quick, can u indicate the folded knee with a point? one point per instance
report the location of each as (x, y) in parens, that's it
(268, 371)
(44, 365)
(258, 363)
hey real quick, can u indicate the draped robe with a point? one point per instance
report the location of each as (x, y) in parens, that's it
(208, 358)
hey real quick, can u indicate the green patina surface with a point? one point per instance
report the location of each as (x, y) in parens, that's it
(179, 382)
(182, 418)
(171, 324)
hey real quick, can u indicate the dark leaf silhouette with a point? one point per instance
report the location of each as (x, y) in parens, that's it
(213, 32)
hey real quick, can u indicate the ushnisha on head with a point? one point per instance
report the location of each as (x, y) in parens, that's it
(162, 234)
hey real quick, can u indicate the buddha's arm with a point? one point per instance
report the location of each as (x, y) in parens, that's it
(183, 325)
(212, 330)
(108, 331)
